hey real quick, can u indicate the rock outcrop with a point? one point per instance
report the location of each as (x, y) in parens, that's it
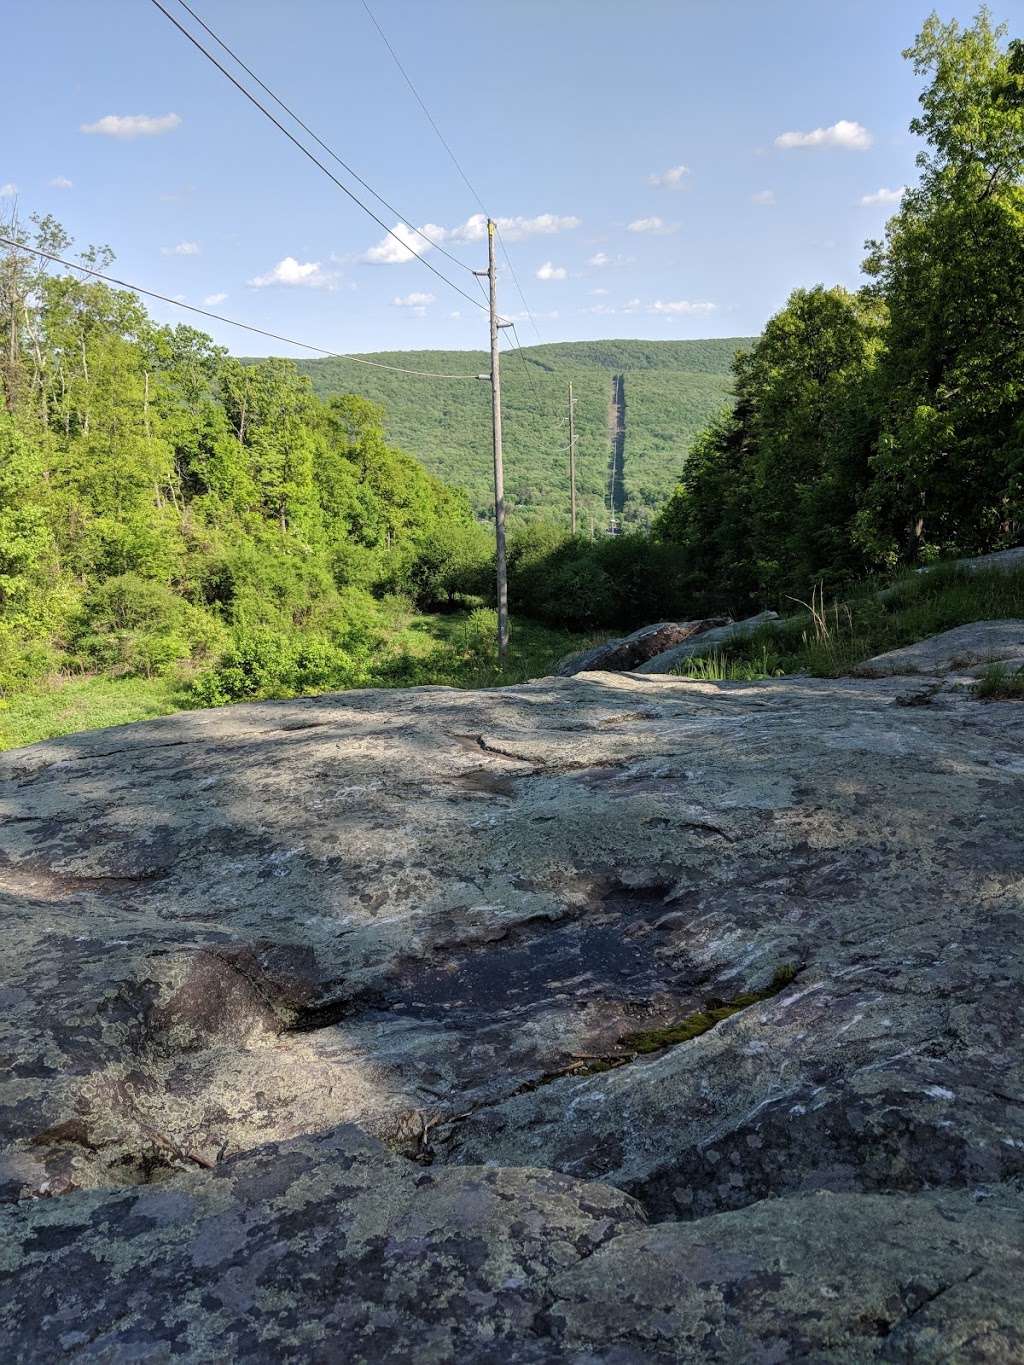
(610, 1019)
(621, 655)
(966, 649)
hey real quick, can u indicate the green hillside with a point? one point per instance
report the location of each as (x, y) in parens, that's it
(672, 388)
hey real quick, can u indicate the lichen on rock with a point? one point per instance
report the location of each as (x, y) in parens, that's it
(452, 1025)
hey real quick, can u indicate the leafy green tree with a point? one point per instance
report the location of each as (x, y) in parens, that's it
(948, 474)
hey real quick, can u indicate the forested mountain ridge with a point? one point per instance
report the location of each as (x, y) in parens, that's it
(674, 389)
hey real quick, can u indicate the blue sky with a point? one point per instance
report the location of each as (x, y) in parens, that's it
(668, 168)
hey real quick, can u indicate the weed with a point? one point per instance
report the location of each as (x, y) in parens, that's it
(997, 683)
(719, 667)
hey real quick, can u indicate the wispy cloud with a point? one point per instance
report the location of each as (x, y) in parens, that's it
(680, 308)
(414, 300)
(292, 272)
(9, 190)
(181, 249)
(672, 179)
(212, 300)
(846, 133)
(766, 197)
(601, 260)
(884, 196)
(514, 229)
(550, 271)
(599, 293)
(659, 308)
(655, 225)
(133, 125)
(60, 182)
(412, 242)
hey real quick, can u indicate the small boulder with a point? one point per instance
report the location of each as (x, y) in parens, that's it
(708, 640)
(623, 655)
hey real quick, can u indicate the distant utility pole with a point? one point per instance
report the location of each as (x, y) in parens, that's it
(499, 468)
(572, 459)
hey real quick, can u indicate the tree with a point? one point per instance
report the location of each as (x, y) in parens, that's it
(948, 474)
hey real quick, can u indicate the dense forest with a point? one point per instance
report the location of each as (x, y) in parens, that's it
(674, 388)
(164, 506)
(166, 509)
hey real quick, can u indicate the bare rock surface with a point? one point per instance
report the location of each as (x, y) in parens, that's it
(620, 655)
(678, 1020)
(708, 640)
(964, 649)
(1002, 561)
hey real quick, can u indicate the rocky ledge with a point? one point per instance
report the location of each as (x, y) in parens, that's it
(620, 1018)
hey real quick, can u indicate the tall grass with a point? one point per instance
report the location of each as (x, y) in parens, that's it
(827, 639)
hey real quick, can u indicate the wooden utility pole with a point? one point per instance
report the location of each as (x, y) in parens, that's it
(499, 468)
(572, 460)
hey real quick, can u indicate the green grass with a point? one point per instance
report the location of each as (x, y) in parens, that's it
(720, 667)
(997, 683)
(62, 706)
(456, 650)
(672, 389)
(873, 620)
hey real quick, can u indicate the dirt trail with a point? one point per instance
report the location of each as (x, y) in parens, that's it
(616, 496)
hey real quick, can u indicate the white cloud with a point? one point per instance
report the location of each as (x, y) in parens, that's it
(598, 293)
(60, 182)
(550, 271)
(9, 190)
(414, 300)
(680, 308)
(133, 125)
(853, 136)
(654, 224)
(181, 249)
(212, 299)
(293, 272)
(884, 196)
(412, 242)
(514, 229)
(407, 247)
(672, 179)
(600, 260)
(763, 197)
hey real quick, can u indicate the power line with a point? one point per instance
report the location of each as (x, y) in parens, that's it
(455, 162)
(526, 364)
(515, 281)
(419, 101)
(315, 160)
(318, 140)
(219, 317)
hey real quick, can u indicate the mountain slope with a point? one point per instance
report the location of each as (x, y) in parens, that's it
(672, 389)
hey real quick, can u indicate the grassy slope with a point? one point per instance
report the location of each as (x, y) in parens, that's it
(437, 649)
(672, 389)
(869, 623)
